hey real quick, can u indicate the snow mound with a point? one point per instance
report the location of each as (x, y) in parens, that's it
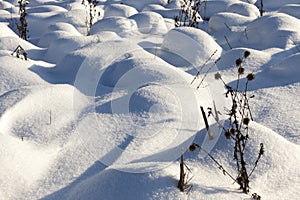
(287, 69)
(15, 74)
(37, 31)
(56, 31)
(150, 22)
(117, 74)
(139, 5)
(269, 170)
(62, 26)
(111, 117)
(153, 7)
(195, 46)
(46, 9)
(249, 1)
(24, 164)
(5, 31)
(255, 62)
(209, 8)
(66, 69)
(60, 47)
(4, 12)
(224, 21)
(79, 22)
(143, 186)
(159, 185)
(169, 13)
(291, 9)
(119, 10)
(36, 105)
(30, 149)
(244, 9)
(276, 4)
(279, 27)
(5, 5)
(11, 43)
(120, 25)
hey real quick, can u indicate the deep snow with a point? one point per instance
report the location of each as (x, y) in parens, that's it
(105, 113)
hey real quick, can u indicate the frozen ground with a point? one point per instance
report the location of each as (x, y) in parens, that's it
(105, 113)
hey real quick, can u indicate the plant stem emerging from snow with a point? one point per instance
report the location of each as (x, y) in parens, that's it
(237, 128)
(22, 27)
(194, 146)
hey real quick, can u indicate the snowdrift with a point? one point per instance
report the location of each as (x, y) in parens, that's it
(279, 27)
(196, 46)
(105, 112)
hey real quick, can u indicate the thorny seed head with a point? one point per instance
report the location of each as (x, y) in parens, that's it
(246, 54)
(192, 147)
(246, 121)
(227, 134)
(250, 77)
(241, 70)
(232, 130)
(218, 76)
(262, 150)
(238, 62)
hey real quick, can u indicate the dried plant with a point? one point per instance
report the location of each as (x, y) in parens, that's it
(183, 183)
(20, 53)
(261, 8)
(90, 6)
(189, 14)
(22, 26)
(237, 126)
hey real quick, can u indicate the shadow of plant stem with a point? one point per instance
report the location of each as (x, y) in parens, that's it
(237, 128)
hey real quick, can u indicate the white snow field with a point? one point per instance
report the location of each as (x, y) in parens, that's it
(104, 113)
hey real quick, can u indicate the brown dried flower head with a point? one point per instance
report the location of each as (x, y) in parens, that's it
(238, 62)
(246, 121)
(246, 54)
(192, 147)
(241, 70)
(250, 77)
(227, 134)
(218, 76)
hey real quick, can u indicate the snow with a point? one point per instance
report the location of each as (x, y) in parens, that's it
(105, 112)
(150, 22)
(245, 9)
(277, 27)
(119, 10)
(281, 71)
(209, 8)
(224, 20)
(142, 4)
(290, 9)
(6, 31)
(119, 25)
(200, 44)
(277, 4)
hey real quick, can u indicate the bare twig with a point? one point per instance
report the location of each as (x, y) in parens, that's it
(206, 123)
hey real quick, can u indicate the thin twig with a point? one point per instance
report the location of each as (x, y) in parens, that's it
(203, 65)
(219, 165)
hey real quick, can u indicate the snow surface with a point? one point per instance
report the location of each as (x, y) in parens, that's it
(105, 112)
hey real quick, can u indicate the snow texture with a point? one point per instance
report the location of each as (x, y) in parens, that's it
(104, 112)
